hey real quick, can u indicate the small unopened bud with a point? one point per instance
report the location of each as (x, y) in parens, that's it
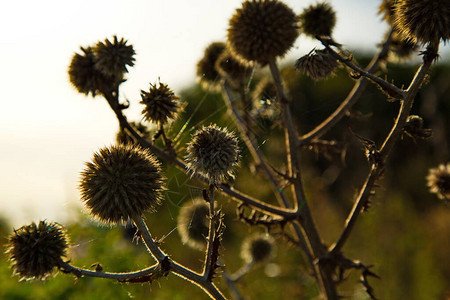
(34, 250)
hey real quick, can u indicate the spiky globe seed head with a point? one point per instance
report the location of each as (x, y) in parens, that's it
(121, 183)
(262, 30)
(401, 49)
(438, 180)
(318, 64)
(386, 10)
(213, 152)
(193, 223)
(234, 70)
(206, 67)
(257, 248)
(161, 104)
(112, 58)
(318, 19)
(34, 250)
(85, 77)
(423, 21)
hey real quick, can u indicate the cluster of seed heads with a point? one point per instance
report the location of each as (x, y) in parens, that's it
(34, 250)
(101, 68)
(121, 183)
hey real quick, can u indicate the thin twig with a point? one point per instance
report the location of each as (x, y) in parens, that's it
(208, 267)
(66, 267)
(350, 100)
(388, 87)
(383, 152)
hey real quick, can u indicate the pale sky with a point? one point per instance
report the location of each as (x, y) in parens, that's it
(48, 130)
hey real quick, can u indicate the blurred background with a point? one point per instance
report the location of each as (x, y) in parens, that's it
(48, 131)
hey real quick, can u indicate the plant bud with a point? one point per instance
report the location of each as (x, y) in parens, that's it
(318, 64)
(257, 248)
(318, 20)
(438, 180)
(414, 128)
(193, 223)
(213, 152)
(121, 183)
(34, 250)
(161, 104)
(262, 30)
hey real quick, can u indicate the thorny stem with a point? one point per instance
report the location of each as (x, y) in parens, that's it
(391, 89)
(349, 101)
(174, 267)
(293, 159)
(384, 151)
(208, 268)
(235, 194)
(118, 276)
(259, 159)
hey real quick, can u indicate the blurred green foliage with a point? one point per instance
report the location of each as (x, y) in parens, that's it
(405, 234)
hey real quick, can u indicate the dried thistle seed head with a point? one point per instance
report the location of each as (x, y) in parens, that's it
(265, 100)
(193, 223)
(34, 250)
(401, 49)
(206, 67)
(257, 248)
(386, 10)
(122, 137)
(318, 19)
(423, 21)
(414, 128)
(318, 64)
(85, 77)
(262, 30)
(438, 180)
(112, 58)
(213, 152)
(121, 183)
(161, 104)
(234, 70)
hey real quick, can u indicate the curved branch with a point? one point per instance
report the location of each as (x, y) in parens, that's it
(349, 101)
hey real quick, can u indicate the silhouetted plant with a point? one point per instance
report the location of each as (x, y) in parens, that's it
(124, 181)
